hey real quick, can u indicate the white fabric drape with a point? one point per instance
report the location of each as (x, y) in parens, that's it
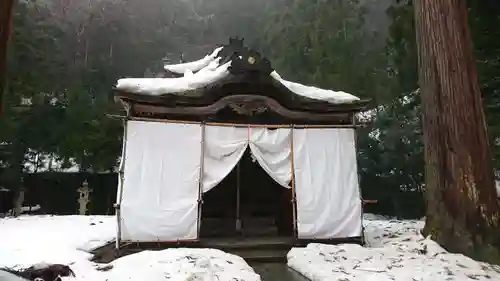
(328, 199)
(272, 149)
(160, 190)
(224, 147)
(162, 169)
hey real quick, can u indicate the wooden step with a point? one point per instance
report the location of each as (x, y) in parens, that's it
(272, 243)
(261, 255)
(276, 272)
(249, 254)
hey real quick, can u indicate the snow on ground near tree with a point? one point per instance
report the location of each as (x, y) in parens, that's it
(395, 251)
(30, 240)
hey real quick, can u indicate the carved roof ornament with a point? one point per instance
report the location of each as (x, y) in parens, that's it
(243, 58)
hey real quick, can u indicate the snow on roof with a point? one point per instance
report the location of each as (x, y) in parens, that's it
(190, 81)
(314, 92)
(207, 70)
(194, 65)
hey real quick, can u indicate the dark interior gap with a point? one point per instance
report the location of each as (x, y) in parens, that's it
(265, 206)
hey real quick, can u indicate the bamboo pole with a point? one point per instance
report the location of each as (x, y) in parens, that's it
(238, 202)
(120, 184)
(346, 126)
(200, 178)
(294, 201)
(224, 124)
(120, 188)
(358, 174)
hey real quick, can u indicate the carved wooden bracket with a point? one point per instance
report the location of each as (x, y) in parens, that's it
(249, 108)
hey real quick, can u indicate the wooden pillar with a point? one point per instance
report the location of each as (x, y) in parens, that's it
(121, 180)
(238, 198)
(200, 177)
(292, 171)
(356, 149)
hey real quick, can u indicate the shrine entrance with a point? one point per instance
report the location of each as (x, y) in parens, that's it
(247, 203)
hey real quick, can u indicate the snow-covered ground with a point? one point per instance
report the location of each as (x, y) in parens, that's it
(30, 240)
(27, 240)
(396, 251)
(181, 265)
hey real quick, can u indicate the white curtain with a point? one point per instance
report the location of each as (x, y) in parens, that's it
(328, 198)
(162, 169)
(272, 150)
(160, 190)
(223, 149)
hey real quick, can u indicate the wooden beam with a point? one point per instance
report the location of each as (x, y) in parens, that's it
(270, 126)
(369, 201)
(238, 99)
(240, 87)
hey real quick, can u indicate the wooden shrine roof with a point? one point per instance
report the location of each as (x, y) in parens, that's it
(235, 77)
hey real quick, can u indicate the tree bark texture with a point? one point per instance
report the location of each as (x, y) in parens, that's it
(5, 30)
(462, 210)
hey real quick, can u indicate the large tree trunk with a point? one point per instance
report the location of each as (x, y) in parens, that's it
(5, 29)
(462, 210)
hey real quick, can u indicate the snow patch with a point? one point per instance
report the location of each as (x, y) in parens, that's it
(314, 92)
(181, 264)
(193, 66)
(31, 240)
(396, 251)
(25, 209)
(200, 73)
(380, 231)
(191, 81)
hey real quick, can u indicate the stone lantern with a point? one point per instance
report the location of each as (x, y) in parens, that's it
(84, 198)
